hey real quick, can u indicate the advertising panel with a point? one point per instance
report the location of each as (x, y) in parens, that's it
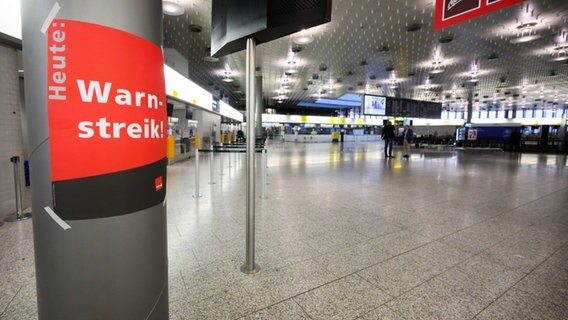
(374, 105)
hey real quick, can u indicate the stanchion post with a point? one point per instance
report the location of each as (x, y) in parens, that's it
(211, 168)
(18, 216)
(250, 266)
(220, 163)
(263, 173)
(197, 195)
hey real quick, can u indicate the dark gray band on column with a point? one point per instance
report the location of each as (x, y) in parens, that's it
(110, 195)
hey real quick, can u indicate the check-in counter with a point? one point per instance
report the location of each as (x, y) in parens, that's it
(317, 138)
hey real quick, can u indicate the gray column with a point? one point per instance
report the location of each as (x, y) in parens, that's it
(469, 101)
(259, 105)
(104, 268)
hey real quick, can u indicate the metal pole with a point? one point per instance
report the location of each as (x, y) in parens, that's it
(220, 163)
(211, 169)
(18, 216)
(250, 266)
(197, 195)
(263, 173)
(230, 165)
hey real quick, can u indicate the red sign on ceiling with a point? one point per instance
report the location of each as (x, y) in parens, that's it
(450, 12)
(106, 100)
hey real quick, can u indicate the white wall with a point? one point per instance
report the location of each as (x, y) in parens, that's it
(11, 142)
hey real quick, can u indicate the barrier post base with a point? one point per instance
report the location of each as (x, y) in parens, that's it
(244, 269)
(15, 217)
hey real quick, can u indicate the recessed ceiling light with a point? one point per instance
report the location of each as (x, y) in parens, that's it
(194, 28)
(526, 32)
(302, 37)
(227, 79)
(562, 51)
(303, 40)
(526, 38)
(446, 38)
(172, 8)
(436, 70)
(414, 27)
(210, 59)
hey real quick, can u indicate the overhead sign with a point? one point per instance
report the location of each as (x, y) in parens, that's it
(107, 123)
(233, 22)
(450, 12)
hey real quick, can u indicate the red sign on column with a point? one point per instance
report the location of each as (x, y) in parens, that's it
(106, 100)
(450, 12)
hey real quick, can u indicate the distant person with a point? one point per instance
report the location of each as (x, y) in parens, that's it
(240, 136)
(388, 136)
(407, 136)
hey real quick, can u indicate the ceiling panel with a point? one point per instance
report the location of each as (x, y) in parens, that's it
(367, 39)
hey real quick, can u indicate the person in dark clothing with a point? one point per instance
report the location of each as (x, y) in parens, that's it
(388, 136)
(407, 135)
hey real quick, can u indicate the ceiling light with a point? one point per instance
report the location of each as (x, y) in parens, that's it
(210, 59)
(302, 37)
(195, 28)
(436, 70)
(437, 62)
(172, 8)
(525, 38)
(561, 53)
(227, 77)
(291, 69)
(526, 33)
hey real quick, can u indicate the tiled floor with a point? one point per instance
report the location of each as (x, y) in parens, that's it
(348, 234)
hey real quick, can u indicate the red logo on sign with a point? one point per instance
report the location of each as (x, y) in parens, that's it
(158, 182)
(450, 12)
(106, 100)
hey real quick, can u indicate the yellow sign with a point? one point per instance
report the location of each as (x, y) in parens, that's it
(342, 120)
(304, 119)
(171, 147)
(359, 121)
(332, 120)
(175, 94)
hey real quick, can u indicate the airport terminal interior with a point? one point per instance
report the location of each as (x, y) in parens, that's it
(470, 223)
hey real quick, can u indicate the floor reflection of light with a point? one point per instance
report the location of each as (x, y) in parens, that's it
(397, 165)
(543, 160)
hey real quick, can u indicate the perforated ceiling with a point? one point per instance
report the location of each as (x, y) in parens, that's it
(368, 42)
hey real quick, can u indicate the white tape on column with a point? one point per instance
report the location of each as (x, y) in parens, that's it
(52, 13)
(57, 219)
